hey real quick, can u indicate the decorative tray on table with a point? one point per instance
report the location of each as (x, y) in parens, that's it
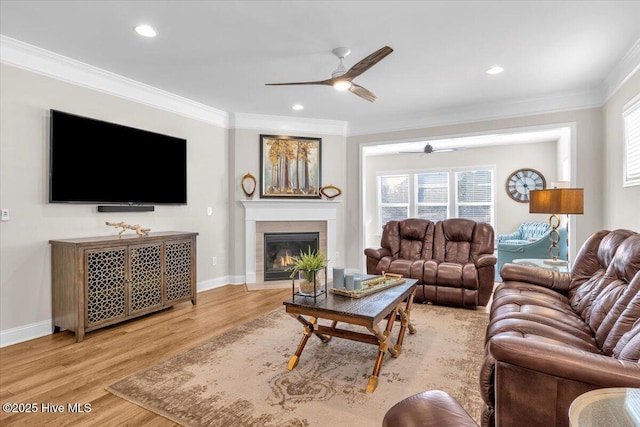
(371, 285)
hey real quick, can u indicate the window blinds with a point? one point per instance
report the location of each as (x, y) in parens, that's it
(632, 145)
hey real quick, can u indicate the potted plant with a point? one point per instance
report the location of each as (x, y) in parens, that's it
(308, 267)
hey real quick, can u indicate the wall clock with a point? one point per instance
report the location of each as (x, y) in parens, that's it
(522, 181)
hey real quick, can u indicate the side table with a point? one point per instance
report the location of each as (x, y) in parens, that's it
(539, 263)
(618, 407)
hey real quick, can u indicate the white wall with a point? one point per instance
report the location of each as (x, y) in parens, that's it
(621, 204)
(25, 283)
(506, 159)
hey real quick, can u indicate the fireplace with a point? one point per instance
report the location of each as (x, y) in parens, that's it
(286, 216)
(279, 248)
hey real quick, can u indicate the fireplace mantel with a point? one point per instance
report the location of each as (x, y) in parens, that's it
(286, 210)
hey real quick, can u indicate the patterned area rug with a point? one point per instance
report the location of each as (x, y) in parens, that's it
(240, 378)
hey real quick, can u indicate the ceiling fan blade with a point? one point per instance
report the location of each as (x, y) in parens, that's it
(367, 62)
(442, 150)
(320, 82)
(362, 92)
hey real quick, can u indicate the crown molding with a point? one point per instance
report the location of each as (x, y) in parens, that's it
(41, 61)
(278, 124)
(622, 71)
(32, 58)
(484, 112)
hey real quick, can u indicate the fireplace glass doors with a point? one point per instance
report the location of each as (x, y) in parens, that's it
(279, 248)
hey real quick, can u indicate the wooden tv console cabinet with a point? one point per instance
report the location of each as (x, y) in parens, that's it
(100, 281)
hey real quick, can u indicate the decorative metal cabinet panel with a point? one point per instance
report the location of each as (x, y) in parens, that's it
(100, 281)
(145, 278)
(106, 281)
(178, 262)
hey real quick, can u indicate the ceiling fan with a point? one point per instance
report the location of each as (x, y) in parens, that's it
(428, 149)
(342, 79)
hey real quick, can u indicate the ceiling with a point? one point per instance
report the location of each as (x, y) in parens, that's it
(556, 54)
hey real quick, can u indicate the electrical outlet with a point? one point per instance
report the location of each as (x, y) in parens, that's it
(214, 260)
(5, 215)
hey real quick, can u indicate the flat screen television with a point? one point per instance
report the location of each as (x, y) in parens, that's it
(92, 161)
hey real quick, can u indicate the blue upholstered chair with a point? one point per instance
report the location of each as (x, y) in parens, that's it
(531, 240)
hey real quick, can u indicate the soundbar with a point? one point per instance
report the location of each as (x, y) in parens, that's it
(126, 208)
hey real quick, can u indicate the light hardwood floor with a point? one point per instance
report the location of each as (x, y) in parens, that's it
(56, 370)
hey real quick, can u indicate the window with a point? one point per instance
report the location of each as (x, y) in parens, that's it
(437, 195)
(474, 195)
(393, 198)
(631, 117)
(432, 199)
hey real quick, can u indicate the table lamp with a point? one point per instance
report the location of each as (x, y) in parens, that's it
(556, 201)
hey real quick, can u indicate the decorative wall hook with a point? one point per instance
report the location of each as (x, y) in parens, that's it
(248, 184)
(333, 191)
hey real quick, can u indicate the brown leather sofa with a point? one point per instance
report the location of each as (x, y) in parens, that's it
(553, 336)
(452, 260)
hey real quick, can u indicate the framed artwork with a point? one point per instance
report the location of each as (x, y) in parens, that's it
(290, 167)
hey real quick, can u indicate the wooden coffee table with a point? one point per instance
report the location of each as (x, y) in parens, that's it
(368, 312)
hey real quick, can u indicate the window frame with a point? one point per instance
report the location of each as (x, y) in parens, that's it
(381, 205)
(631, 110)
(491, 204)
(416, 189)
(452, 206)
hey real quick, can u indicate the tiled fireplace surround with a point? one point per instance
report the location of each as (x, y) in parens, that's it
(274, 216)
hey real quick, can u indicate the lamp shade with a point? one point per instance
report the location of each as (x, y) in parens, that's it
(557, 201)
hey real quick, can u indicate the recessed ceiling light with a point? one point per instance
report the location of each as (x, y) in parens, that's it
(496, 69)
(145, 30)
(298, 107)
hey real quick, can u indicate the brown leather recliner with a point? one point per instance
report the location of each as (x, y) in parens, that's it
(452, 260)
(553, 336)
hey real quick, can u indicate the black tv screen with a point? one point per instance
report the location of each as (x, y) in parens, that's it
(92, 161)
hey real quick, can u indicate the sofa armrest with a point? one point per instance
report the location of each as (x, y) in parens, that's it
(523, 375)
(536, 276)
(513, 236)
(374, 256)
(564, 362)
(377, 253)
(486, 260)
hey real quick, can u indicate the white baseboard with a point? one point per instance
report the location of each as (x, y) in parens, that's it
(25, 333)
(40, 329)
(211, 284)
(237, 280)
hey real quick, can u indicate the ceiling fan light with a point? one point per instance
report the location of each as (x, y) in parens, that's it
(342, 85)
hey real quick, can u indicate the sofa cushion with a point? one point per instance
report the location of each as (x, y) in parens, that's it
(591, 263)
(391, 238)
(411, 232)
(452, 240)
(628, 347)
(407, 268)
(613, 293)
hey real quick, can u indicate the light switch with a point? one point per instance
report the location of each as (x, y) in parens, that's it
(5, 215)
(209, 211)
